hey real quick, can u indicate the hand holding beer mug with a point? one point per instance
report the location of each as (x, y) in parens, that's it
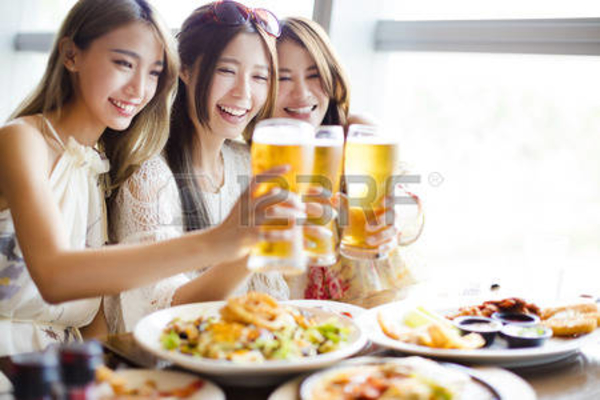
(325, 179)
(371, 168)
(281, 142)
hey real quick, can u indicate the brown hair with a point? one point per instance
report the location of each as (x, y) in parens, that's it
(201, 42)
(147, 134)
(314, 39)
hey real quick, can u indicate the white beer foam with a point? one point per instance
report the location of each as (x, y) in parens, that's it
(282, 135)
(373, 140)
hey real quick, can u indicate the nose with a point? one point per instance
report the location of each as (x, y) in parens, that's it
(242, 88)
(300, 89)
(136, 85)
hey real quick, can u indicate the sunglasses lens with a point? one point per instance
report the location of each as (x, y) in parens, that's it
(268, 21)
(230, 12)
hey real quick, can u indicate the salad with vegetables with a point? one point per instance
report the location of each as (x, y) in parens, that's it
(254, 328)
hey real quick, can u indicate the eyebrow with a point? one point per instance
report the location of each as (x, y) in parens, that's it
(288, 70)
(134, 55)
(236, 62)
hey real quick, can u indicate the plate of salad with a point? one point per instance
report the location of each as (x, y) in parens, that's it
(251, 340)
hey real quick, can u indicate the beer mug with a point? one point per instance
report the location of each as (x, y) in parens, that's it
(277, 142)
(370, 166)
(326, 174)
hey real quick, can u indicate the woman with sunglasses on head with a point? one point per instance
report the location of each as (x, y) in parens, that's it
(313, 87)
(227, 84)
(108, 83)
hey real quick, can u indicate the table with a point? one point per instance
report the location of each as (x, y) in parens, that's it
(575, 378)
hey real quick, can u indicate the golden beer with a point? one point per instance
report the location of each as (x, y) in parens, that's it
(278, 142)
(371, 162)
(327, 173)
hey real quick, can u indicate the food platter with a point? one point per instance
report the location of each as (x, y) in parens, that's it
(498, 354)
(345, 309)
(486, 383)
(148, 332)
(170, 381)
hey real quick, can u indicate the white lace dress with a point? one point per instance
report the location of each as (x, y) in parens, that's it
(147, 208)
(27, 322)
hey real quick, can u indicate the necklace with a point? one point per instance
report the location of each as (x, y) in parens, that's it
(215, 184)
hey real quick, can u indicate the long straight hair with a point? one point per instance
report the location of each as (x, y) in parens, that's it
(147, 134)
(311, 36)
(201, 43)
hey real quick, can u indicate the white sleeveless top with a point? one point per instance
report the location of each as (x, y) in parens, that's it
(147, 208)
(27, 322)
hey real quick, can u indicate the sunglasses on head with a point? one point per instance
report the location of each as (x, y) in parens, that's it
(233, 13)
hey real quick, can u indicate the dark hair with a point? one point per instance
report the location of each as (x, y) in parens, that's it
(311, 36)
(201, 42)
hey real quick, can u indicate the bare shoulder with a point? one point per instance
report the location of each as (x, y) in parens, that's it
(24, 153)
(21, 140)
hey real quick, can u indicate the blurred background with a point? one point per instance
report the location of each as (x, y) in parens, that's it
(497, 107)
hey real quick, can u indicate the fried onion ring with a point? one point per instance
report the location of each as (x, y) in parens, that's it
(255, 308)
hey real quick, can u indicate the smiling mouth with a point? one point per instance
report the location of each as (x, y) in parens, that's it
(234, 112)
(126, 108)
(301, 110)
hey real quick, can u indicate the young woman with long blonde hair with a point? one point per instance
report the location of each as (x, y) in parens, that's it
(108, 83)
(314, 87)
(227, 84)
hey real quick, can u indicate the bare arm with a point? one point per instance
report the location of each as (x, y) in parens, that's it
(215, 284)
(62, 274)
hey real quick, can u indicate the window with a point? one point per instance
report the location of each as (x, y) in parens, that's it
(475, 9)
(507, 146)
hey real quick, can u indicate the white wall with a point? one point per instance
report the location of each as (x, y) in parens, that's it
(21, 71)
(352, 31)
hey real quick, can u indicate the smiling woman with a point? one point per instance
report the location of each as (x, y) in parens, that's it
(108, 84)
(227, 84)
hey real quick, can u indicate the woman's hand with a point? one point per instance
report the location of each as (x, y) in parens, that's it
(319, 215)
(241, 229)
(384, 232)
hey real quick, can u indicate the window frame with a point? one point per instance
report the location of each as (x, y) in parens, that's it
(572, 36)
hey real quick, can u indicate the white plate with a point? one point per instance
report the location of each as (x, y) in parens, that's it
(147, 334)
(505, 383)
(169, 380)
(345, 309)
(553, 350)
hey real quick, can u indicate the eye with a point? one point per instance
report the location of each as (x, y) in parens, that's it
(314, 76)
(123, 63)
(225, 70)
(284, 78)
(262, 78)
(156, 73)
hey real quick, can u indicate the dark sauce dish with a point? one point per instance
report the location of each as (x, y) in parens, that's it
(486, 327)
(525, 335)
(515, 318)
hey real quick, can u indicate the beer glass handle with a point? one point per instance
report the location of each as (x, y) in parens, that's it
(420, 218)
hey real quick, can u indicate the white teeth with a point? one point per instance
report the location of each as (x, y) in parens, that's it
(302, 110)
(128, 108)
(236, 112)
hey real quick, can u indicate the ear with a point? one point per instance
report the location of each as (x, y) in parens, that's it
(69, 52)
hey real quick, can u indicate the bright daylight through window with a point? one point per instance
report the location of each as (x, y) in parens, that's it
(506, 145)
